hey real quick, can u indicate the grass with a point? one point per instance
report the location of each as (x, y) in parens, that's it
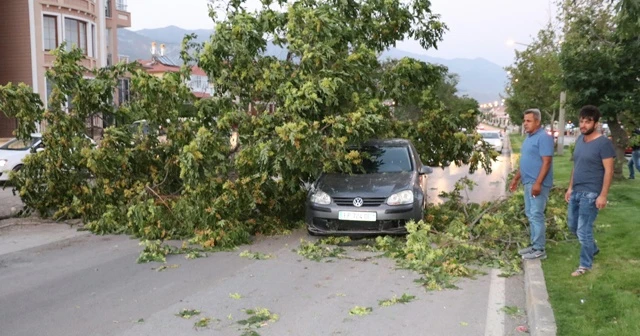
(605, 301)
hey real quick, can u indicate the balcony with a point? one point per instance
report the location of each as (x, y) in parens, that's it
(118, 13)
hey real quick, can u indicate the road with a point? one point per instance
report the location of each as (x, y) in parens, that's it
(91, 285)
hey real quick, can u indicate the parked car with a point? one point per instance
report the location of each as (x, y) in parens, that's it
(13, 152)
(494, 138)
(391, 191)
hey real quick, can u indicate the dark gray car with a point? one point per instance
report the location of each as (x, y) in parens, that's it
(391, 192)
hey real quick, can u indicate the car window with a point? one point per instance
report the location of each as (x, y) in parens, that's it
(490, 135)
(386, 159)
(16, 144)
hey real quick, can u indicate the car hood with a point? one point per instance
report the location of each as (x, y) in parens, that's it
(365, 185)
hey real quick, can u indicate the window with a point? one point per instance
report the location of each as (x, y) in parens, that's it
(75, 34)
(50, 31)
(93, 41)
(123, 90)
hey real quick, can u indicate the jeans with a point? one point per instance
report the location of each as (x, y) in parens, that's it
(581, 215)
(634, 162)
(534, 209)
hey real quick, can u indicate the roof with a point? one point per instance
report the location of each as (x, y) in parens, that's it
(201, 94)
(152, 66)
(161, 64)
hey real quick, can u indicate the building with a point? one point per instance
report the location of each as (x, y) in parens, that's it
(159, 64)
(30, 29)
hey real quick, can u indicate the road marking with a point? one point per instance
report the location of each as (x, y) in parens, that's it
(495, 314)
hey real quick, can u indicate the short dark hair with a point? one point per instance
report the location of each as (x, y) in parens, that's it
(590, 112)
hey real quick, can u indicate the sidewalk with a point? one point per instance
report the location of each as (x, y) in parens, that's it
(9, 204)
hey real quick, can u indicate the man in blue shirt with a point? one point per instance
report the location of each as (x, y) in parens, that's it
(536, 173)
(635, 154)
(593, 159)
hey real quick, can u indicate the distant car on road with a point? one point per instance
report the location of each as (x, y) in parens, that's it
(494, 138)
(391, 191)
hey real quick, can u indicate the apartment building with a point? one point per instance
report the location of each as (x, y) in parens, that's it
(31, 29)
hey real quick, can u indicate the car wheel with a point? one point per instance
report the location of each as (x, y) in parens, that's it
(17, 168)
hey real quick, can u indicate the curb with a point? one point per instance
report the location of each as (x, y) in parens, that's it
(5, 223)
(542, 322)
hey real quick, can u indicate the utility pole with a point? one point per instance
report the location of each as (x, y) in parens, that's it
(562, 127)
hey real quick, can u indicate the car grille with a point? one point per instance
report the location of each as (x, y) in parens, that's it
(368, 201)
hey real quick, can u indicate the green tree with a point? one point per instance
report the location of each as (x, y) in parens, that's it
(599, 61)
(328, 94)
(535, 78)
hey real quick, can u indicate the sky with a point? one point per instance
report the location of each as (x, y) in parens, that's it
(477, 28)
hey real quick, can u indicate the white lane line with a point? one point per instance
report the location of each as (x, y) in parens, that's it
(495, 314)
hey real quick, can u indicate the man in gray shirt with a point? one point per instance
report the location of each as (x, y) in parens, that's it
(593, 160)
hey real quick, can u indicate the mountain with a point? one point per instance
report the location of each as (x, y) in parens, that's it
(479, 78)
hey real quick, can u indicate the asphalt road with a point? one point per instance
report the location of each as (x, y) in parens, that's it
(91, 285)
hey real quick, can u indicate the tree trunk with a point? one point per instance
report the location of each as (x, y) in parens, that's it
(620, 141)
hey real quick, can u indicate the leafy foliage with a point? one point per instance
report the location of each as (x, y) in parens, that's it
(599, 63)
(455, 238)
(535, 77)
(328, 94)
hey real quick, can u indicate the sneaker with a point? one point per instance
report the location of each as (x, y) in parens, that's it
(526, 250)
(536, 254)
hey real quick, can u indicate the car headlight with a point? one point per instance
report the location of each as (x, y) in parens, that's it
(403, 197)
(3, 162)
(320, 197)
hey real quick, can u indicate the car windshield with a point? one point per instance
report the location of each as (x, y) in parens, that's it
(16, 144)
(490, 135)
(379, 159)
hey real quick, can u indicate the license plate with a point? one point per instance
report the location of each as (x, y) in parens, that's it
(357, 216)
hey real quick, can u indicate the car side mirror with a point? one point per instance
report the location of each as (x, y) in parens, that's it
(426, 170)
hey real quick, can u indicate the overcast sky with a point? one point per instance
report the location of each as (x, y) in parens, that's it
(477, 28)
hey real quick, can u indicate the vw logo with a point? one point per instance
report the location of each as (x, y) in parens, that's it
(358, 202)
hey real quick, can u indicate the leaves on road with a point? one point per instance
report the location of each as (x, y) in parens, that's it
(255, 255)
(360, 311)
(235, 296)
(512, 311)
(202, 323)
(405, 298)
(165, 267)
(154, 251)
(195, 255)
(188, 313)
(318, 251)
(258, 318)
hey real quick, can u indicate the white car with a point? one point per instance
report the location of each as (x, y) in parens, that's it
(13, 152)
(494, 138)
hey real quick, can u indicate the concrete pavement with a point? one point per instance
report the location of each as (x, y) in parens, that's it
(91, 285)
(81, 284)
